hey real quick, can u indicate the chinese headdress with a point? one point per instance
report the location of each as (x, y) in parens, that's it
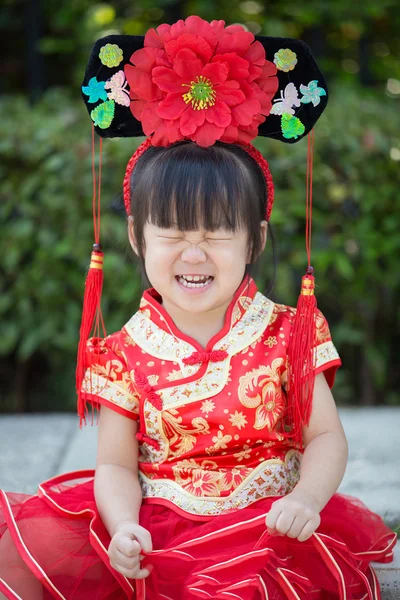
(206, 82)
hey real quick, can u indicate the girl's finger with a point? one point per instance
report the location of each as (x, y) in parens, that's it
(126, 561)
(284, 522)
(273, 516)
(131, 573)
(296, 527)
(128, 547)
(307, 531)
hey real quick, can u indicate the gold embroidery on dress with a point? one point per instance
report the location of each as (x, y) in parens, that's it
(200, 480)
(195, 483)
(270, 404)
(182, 439)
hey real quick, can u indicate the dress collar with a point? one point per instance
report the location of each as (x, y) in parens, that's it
(150, 305)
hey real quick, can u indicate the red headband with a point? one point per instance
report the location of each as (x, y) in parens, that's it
(250, 149)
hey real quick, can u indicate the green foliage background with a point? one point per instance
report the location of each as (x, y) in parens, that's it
(45, 191)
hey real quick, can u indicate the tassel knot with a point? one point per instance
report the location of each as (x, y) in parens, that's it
(155, 400)
(218, 355)
(140, 378)
(203, 357)
(143, 437)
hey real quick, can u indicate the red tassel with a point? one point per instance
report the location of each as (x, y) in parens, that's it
(91, 313)
(301, 350)
(91, 310)
(301, 360)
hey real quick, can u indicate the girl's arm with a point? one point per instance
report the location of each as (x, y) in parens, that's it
(322, 468)
(117, 489)
(326, 449)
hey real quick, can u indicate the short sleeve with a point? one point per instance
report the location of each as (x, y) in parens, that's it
(107, 378)
(327, 357)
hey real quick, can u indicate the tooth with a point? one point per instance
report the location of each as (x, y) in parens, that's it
(196, 278)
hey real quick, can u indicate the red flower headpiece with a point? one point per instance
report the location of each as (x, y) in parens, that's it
(202, 82)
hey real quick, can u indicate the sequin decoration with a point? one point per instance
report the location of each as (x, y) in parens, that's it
(118, 86)
(111, 55)
(285, 103)
(95, 90)
(312, 93)
(291, 126)
(285, 60)
(103, 114)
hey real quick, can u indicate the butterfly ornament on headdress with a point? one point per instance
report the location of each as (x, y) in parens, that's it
(205, 82)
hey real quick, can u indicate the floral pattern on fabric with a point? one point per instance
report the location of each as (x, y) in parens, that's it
(95, 90)
(291, 126)
(218, 436)
(285, 60)
(312, 93)
(103, 114)
(261, 389)
(111, 55)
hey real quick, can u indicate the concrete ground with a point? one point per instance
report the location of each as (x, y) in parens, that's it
(34, 448)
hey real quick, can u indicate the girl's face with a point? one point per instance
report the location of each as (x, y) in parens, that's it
(195, 271)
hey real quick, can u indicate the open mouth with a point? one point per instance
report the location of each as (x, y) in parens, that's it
(194, 281)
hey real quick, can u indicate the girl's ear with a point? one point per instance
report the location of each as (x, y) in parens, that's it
(264, 234)
(131, 236)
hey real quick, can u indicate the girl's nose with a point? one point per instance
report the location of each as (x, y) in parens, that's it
(193, 255)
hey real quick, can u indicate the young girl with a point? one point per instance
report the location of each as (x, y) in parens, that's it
(203, 487)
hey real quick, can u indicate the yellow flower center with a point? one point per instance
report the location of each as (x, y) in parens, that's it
(201, 93)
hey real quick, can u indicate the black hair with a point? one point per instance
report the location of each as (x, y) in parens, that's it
(192, 187)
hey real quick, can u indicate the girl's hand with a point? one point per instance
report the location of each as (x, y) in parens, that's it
(295, 515)
(125, 547)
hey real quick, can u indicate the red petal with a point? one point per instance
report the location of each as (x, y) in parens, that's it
(230, 93)
(152, 39)
(269, 85)
(192, 42)
(190, 120)
(160, 137)
(233, 29)
(238, 42)
(171, 107)
(247, 135)
(219, 114)
(140, 82)
(187, 65)
(150, 120)
(145, 58)
(256, 54)
(167, 80)
(245, 112)
(263, 99)
(173, 132)
(136, 106)
(230, 135)
(216, 72)
(177, 29)
(207, 134)
(202, 28)
(238, 67)
(218, 28)
(254, 72)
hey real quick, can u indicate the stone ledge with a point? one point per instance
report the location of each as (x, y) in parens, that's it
(389, 576)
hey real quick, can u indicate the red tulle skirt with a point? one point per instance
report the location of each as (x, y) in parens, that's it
(54, 545)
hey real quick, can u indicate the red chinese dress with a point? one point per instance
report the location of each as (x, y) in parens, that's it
(212, 462)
